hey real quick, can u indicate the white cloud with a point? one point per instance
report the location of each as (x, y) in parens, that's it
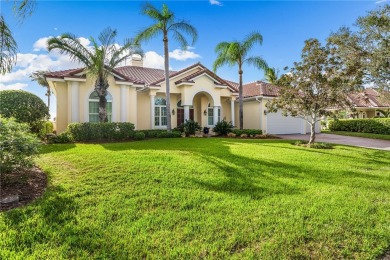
(215, 2)
(153, 60)
(41, 44)
(381, 1)
(183, 55)
(15, 86)
(55, 28)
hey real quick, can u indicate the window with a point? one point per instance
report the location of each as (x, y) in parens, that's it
(160, 112)
(94, 107)
(210, 115)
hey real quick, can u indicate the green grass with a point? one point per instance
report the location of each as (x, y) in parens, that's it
(204, 198)
(366, 135)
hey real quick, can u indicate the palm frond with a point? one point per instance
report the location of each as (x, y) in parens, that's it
(257, 62)
(180, 39)
(219, 62)
(250, 40)
(222, 47)
(151, 11)
(39, 77)
(8, 48)
(23, 8)
(185, 27)
(148, 33)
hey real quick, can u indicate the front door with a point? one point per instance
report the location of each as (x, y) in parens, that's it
(180, 115)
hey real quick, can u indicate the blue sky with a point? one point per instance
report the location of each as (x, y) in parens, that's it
(285, 25)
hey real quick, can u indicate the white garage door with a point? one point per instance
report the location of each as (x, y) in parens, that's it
(279, 124)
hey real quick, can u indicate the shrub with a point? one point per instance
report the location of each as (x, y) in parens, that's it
(368, 125)
(223, 127)
(139, 136)
(248, 132)
(231, 135)
(63, 138)
(42, 128)
(101, 131)
(244, 136)
(17, 145)
(190, 127)
(25, 107)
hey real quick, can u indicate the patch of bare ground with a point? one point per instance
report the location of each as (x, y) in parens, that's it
(21, 187)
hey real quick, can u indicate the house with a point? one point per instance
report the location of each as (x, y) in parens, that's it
(137, 95)
(368, 102)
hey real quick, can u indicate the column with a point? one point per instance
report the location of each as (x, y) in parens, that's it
(232, 110)
(186, 113)
(123, 103)
(75, 114)
(151, 111)
(215, 120)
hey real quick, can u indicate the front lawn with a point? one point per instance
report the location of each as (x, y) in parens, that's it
(204, 198)
(357, 134)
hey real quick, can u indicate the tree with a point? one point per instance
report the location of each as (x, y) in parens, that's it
(313, 85)
(39, 77)
(366, 52)
(272, 75)
(99, 60)
(8, 45)
(236, 53)
(165, 24)
(24, 106)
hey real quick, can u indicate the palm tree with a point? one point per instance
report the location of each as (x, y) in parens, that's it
(39, 77)
(165, 24)
(272, 75)
(99, 60)
(236, 53)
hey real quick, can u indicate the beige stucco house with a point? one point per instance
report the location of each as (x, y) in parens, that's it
(369, 103)
(137, 95)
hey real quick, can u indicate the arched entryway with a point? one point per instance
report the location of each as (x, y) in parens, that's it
(202, 103)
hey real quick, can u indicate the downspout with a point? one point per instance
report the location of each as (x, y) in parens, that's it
(261, 113)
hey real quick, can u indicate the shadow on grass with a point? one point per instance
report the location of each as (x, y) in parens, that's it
(50, 148)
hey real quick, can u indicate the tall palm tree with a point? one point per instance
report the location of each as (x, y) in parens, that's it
(271, 75)
(39, 77)
(236, 53)
(164, 25)
(99, 60)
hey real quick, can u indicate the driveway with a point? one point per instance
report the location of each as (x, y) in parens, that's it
(346, 140)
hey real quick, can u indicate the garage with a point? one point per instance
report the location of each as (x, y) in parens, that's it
(279, 124)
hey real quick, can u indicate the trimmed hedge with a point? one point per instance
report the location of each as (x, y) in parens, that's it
(367, 125)
(248, 132)
(101, 131)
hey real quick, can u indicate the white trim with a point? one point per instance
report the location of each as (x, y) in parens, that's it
(205, 74)
(55, 79)
(185, 84)
(232, 112)
(75, 101)
(74, 79)
(219, 86)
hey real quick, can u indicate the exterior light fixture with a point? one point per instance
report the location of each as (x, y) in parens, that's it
(205, 112)
(173, 111)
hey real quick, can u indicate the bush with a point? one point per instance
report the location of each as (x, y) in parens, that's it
(101, 131)
(63, 138)
(25, 107)
(189, 127)
(223, 127)
(249, 132)
(17, 145)
(42, 128)
(231, 135)
(139, 136)
(321, 146)
(368, 125)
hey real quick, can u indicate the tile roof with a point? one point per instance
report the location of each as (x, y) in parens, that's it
(370, 97)
(63, 73)
(259, 88)
(145, 75)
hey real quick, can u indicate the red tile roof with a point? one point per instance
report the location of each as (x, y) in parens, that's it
(370, 97)
(259, 88)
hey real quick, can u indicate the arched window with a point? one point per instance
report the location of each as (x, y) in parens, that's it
(160, 112)
(210, 115)
(94, 107)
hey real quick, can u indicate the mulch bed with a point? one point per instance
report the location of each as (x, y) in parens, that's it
(28, 184)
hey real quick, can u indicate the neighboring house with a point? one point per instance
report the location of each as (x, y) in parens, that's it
(368, 102)
(137, 95)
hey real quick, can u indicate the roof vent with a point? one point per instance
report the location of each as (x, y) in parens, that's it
(136, 60)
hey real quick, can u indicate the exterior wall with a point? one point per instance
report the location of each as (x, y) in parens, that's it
(61, 90)
(143, 109)
(252, 114)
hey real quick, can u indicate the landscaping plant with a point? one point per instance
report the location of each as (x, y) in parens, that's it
(223, 127)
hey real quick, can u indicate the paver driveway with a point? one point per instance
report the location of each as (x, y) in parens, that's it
(347, 140)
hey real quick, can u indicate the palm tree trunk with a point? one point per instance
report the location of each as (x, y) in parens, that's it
(241, 102)
(48, 97)
(166, 72)
(101, 89)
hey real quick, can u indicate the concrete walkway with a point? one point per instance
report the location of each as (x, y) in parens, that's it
(347, 140)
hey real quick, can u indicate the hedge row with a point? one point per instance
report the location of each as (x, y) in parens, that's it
(160, 133)
(248, 132)
(367, 125)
